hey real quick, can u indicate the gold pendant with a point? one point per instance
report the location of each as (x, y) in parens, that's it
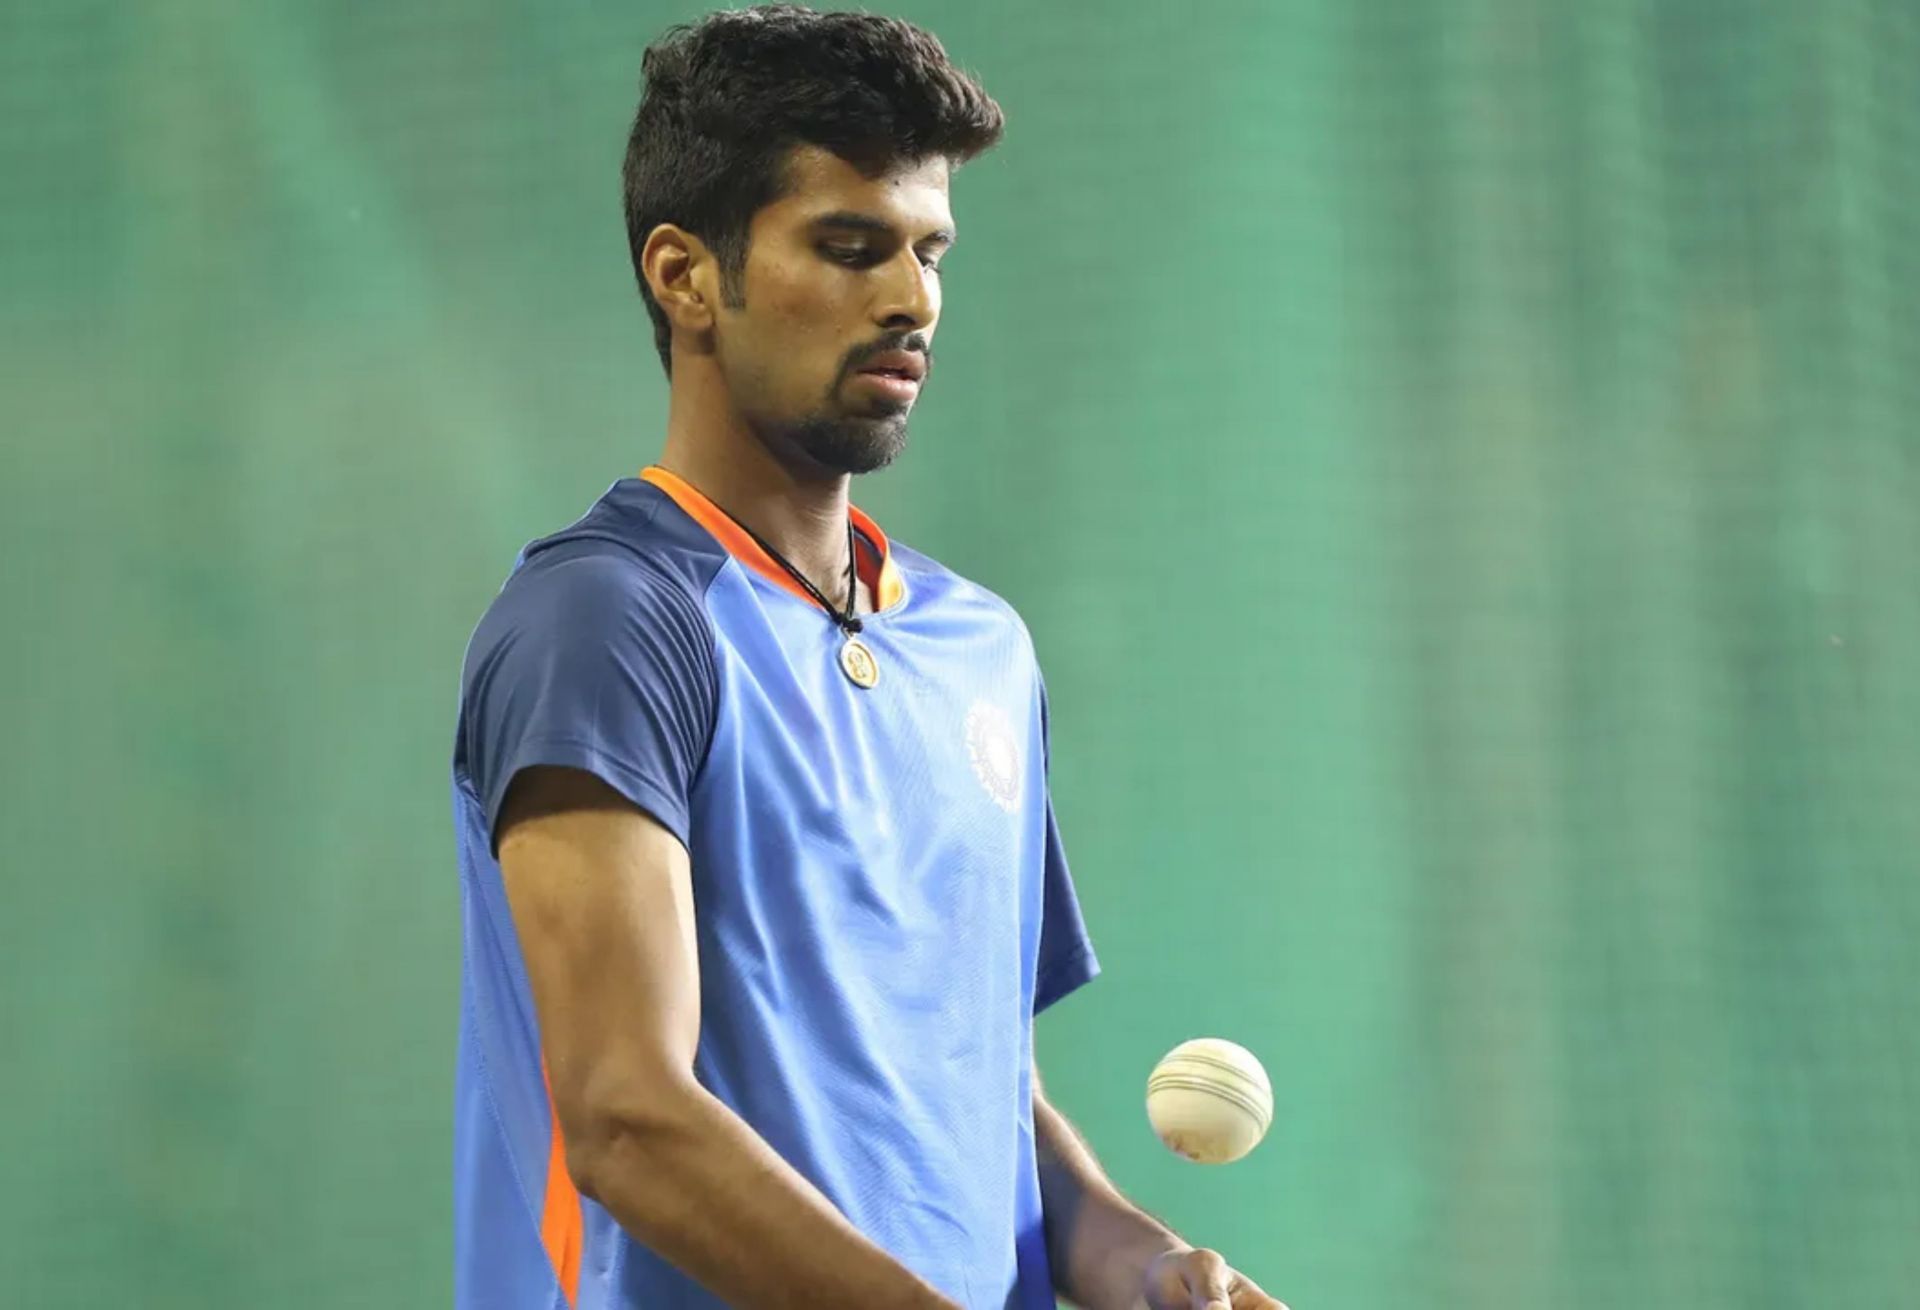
(857, 662)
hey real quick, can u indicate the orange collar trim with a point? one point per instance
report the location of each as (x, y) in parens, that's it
(886, 584)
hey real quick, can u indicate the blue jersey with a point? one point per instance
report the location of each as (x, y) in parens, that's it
(881, 899)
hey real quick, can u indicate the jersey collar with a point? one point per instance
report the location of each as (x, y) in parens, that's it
(880, 575)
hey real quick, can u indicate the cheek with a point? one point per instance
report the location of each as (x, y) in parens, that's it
(807, 332)
(801, 298)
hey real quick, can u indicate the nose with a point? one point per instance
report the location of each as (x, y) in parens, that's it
(909, 298)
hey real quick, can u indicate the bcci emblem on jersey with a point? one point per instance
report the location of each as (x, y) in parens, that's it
(995, 753)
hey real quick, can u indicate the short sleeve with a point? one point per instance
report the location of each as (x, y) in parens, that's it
(597, 662)
(1067, 961)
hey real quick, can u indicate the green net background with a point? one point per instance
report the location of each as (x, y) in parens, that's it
(1460, 464)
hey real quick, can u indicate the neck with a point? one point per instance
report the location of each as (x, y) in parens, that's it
(802, 515)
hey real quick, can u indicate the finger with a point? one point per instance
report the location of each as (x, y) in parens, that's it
(1248, 1296)
(1209, 1279)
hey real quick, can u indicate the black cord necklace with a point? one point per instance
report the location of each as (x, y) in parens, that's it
(856, 660)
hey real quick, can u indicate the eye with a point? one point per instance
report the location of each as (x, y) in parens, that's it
(851, 256)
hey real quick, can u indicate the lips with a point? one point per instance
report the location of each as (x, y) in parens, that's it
(906, 365)
(895, 386)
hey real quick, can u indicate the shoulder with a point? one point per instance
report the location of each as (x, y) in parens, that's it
(632, 563)
(931, 581)
(633, 539)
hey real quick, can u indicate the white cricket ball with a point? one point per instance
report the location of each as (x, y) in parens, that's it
(1210, 1100)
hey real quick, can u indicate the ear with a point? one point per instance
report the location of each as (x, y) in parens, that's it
(683, 276)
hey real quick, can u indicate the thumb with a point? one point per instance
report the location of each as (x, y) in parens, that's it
(1207, 1276)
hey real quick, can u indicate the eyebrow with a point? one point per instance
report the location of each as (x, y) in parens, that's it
(847, 220)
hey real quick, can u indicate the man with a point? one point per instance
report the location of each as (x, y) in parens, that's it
(761, 882)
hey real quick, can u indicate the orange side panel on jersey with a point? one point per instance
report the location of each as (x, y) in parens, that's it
(560, 1222)
(887, 588)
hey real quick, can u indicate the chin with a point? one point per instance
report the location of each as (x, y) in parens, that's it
(850, 445)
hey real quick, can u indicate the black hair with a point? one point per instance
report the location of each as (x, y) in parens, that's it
(728, 98)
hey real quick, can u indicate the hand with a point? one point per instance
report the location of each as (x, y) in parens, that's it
(1201, 1280)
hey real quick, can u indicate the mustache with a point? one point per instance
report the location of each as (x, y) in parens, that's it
(913, 341)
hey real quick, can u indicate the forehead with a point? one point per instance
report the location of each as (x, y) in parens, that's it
(910, 196)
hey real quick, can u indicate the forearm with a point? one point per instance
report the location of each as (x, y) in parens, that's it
(695, 1184)
(1098, 1242)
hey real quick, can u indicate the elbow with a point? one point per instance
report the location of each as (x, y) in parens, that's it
(611, 1140)
(588, 1155)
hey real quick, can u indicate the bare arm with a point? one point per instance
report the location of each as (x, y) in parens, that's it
(1107, 1253)
(602, 900)
(1098, 1243)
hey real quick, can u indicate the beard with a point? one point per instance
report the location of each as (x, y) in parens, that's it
(846, 444)
(843, 437)
(838, 442)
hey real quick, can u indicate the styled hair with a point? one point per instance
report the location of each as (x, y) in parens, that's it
(729, 97)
